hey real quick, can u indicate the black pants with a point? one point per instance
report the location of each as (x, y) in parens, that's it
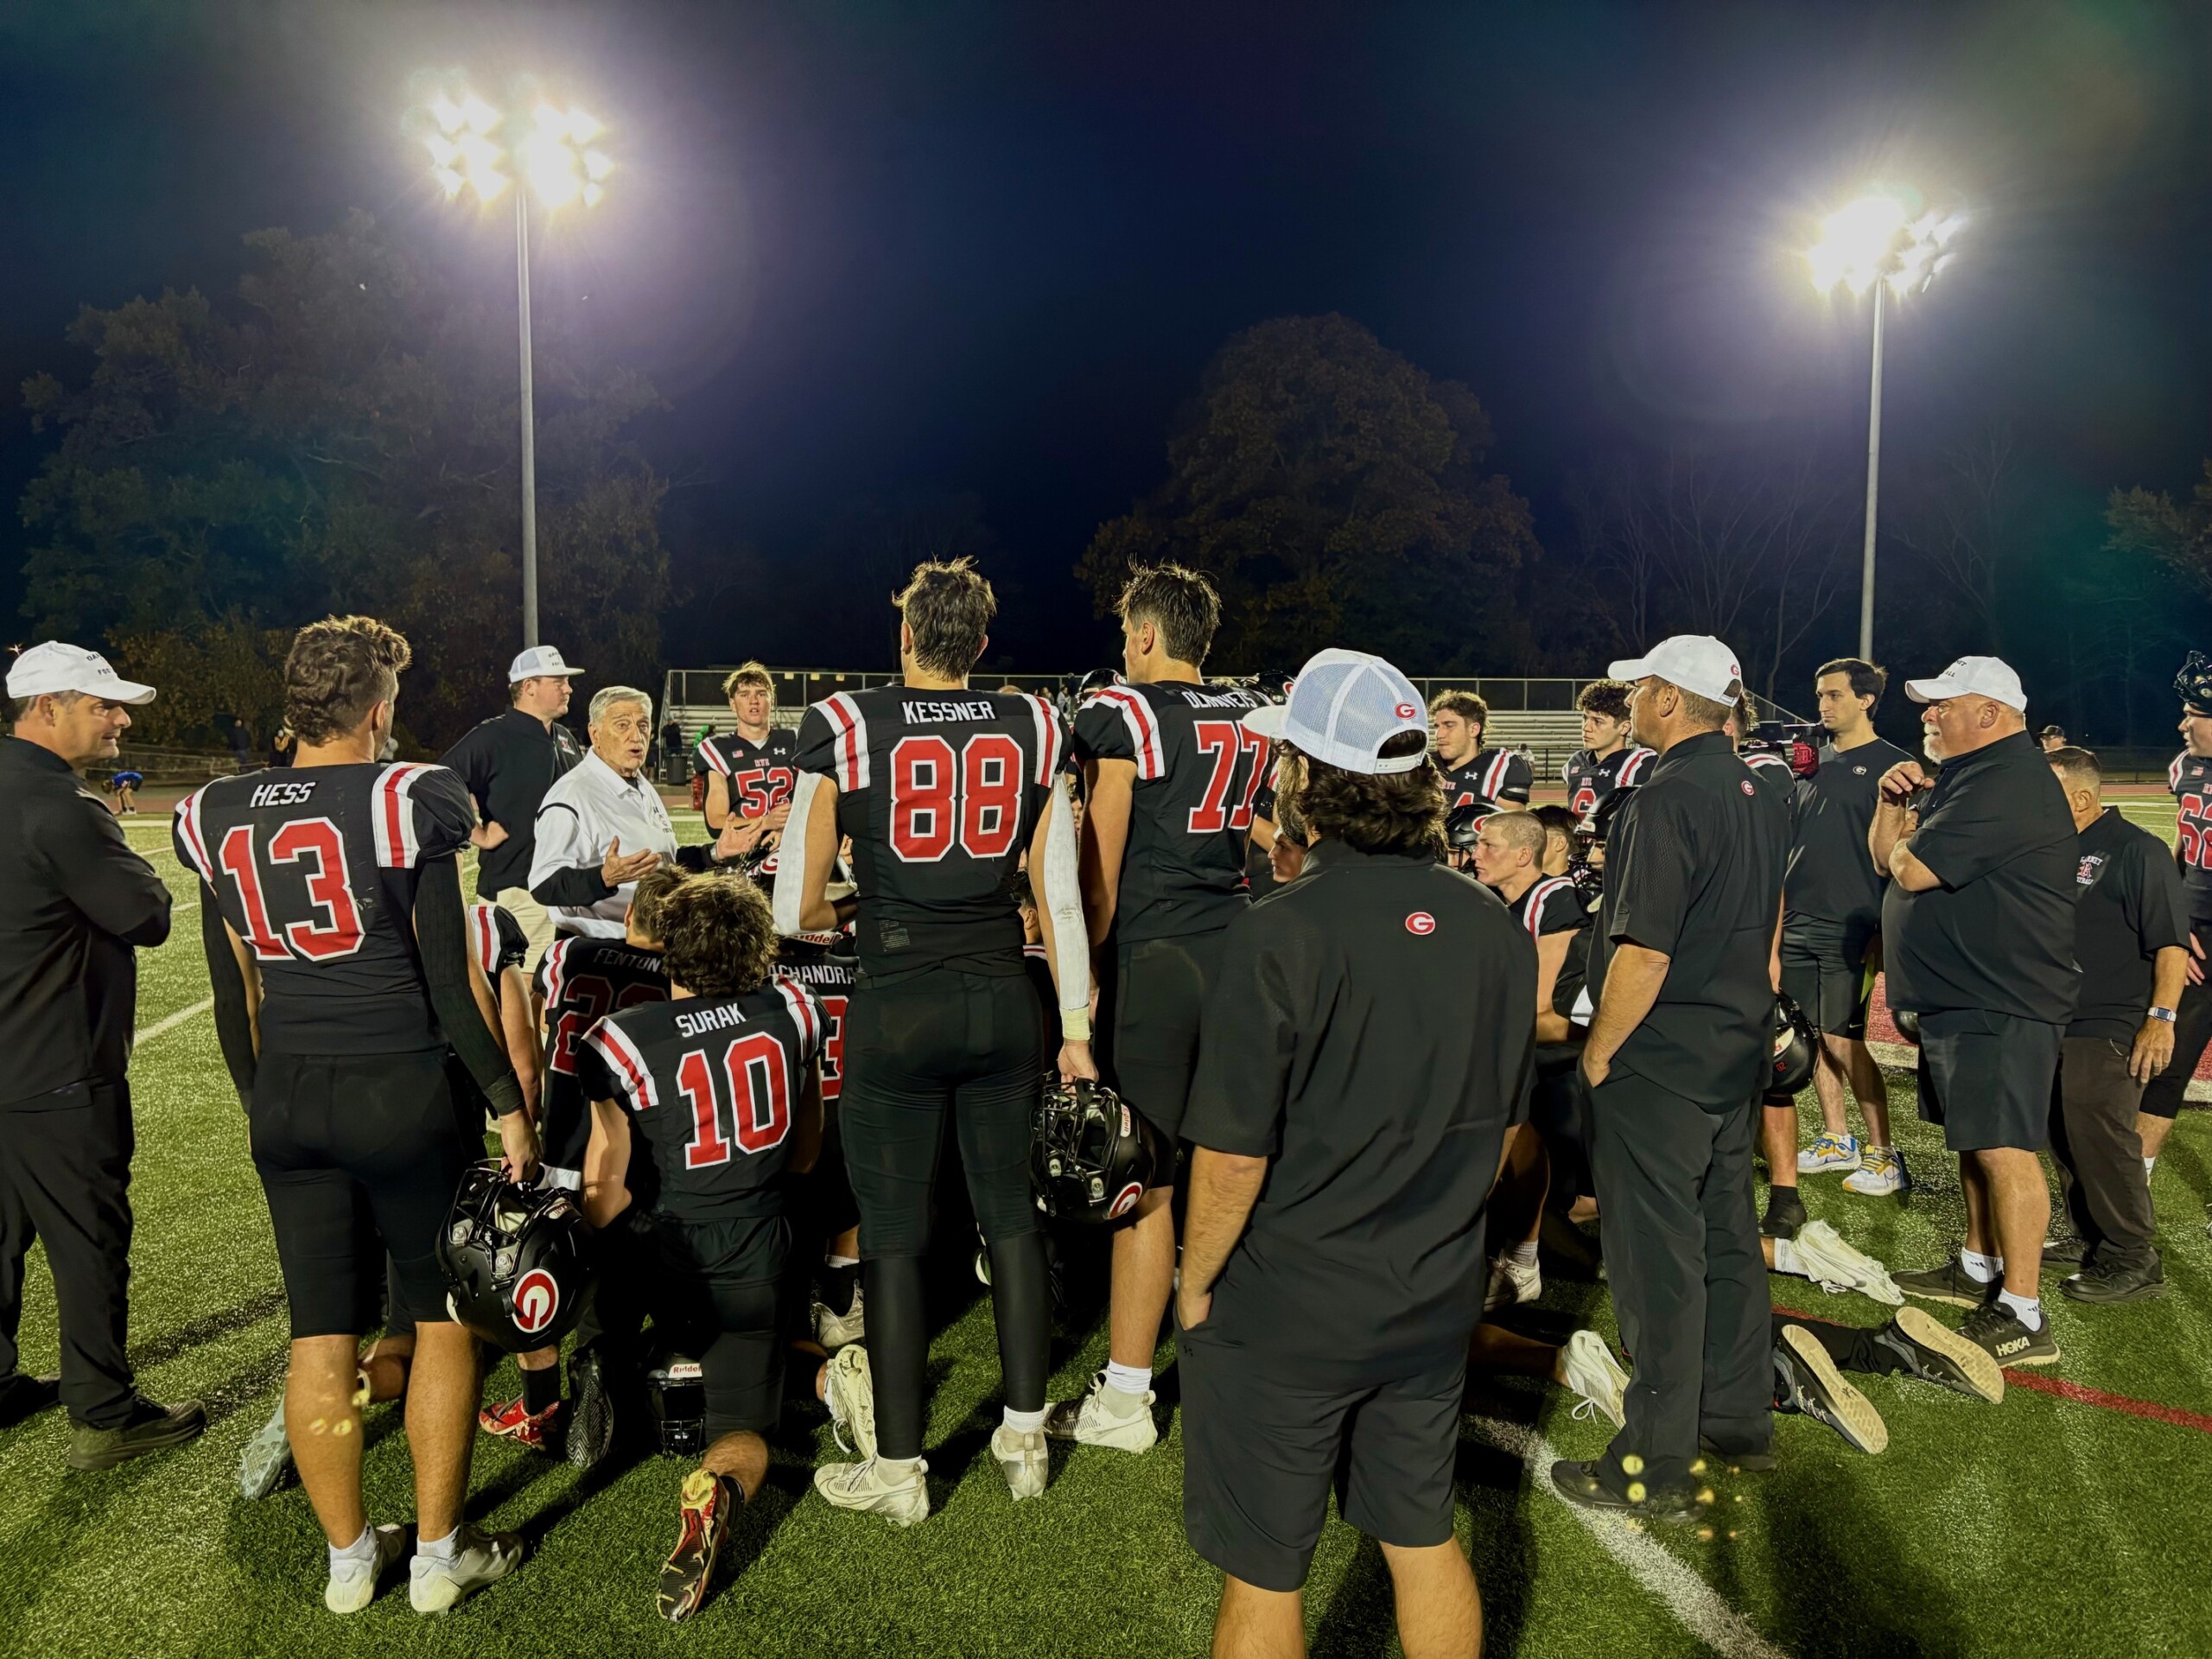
(1682, 1241)
(2100, 1155)
(2192, 1031)
(1150, 1016)
(64, 1177)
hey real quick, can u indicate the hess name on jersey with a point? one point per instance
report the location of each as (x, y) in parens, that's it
(292, 792)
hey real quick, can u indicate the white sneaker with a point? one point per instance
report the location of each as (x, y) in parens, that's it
(1022, 1459)
(1881, 1172)
(1828, 1154)
(1089, 1422)
(903, 1500)
(1836, 1267)
(834, 1330)
(1593, 1373)
(266, 1457)
(1510, 1282)
(353, 1584)
(849, 1392)
(435, 1584)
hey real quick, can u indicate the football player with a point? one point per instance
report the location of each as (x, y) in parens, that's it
(719, 1084)
(1607, 761)
(337, 944)
(941, 790)
(2189, 780)
(824, 1213)
(749, 772)
(1476, 780)
(1172, 773)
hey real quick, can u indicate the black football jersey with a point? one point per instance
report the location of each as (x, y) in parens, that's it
(496, 941)
(580, 981)
(940, 791)
(1550, 906)
(316, 868)
(1197, 774)
(760, 776)
(712, 1085)
(825, 965)
(1591, 778)
(1773, 773)
(1490, 780)
(2191, 780)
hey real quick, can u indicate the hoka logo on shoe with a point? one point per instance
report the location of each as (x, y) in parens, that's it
(2010, 1346)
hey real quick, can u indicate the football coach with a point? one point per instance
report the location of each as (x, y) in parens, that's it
(1681, 976)
(76, 904)
(1360, 1054)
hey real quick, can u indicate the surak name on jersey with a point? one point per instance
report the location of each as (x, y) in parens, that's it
(713, 1086)
(1198, 774)
(940, 794)
(317, 872)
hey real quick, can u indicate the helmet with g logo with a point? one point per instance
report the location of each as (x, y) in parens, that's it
(517, 1260)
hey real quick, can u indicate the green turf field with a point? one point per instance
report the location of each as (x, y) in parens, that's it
(2048, 1525)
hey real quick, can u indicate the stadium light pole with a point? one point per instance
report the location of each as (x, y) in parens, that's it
(1879, 242)
(472, 145)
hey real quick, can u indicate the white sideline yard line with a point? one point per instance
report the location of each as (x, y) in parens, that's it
(163, 1027)
(1695, 1603)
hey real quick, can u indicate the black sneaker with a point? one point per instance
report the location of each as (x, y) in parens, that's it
(1785, 1213)
(1948, 1283)
(1807, 1381)
(2001, 1335)
(591, 1422)
(1936, 1353)
(150, 1427)
(1745, 1463)
(22, 1396)
(2100, 1283)
(1579, 1483)
(2071, 1252)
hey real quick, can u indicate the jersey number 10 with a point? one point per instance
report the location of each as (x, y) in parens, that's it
(756, 1079)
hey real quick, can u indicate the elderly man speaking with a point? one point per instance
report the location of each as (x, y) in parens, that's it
(602, 825)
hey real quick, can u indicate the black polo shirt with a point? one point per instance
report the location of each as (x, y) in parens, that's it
(1997, 935)
(1368, 1034)
(508, 762)
(1694, 870)
(2131, 905)
(1832, 875)
(75, 902)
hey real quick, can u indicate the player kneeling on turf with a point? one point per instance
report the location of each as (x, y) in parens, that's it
(721, 1086)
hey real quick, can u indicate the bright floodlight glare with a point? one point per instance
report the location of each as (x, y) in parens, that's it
(1878, 239)
(545, 148)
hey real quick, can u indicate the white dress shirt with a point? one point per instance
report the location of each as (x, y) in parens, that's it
(585, 812)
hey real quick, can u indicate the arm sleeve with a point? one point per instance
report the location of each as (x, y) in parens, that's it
(442, 938)
(1986, 824)
(1248, 1043)
(1520, 781)
(233, 1019)
(513, 945)
(111, 887)
(563, 868)
(1654, 882)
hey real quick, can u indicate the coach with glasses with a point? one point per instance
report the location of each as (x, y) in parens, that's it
(1681, 975)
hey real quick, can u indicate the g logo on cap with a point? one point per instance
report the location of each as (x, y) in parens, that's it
(1406, 711)
(1420, 922)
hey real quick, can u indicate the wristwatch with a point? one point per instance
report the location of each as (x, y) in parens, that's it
(2166, 1014)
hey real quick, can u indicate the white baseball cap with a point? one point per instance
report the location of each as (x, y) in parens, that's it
(1696, 662)
(1982, 676)
(1342, 707)
(538, 660)
(56, 667)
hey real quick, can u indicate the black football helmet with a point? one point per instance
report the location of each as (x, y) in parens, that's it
(517, 1260)
(2193, 685)
(1908, 1024)
(1091, 1157)
(1273, 684)
(1795, 1042)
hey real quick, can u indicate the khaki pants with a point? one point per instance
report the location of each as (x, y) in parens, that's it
(536, 923)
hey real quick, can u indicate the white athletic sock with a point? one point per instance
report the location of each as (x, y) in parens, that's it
(1524, 1255)
(1980, 1269)
(2149, 1164)
(2026, 1309)
(1129, 1379)
(360, 1552)
(840, 1260)
(439, 1549)
(1023, 1422)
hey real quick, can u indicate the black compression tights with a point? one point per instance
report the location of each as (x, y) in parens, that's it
(897, 1336)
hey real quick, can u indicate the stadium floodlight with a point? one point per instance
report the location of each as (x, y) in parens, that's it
(543, 150)
(1886, 241)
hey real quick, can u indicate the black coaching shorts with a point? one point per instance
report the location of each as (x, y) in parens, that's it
(1263, 1447)
(967, 1044)
(359, 1154)
(1149, 1017)
(1986, 1078)
(715, 1290)
(1825, 972)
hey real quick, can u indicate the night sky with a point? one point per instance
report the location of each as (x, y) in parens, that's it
(913, 251)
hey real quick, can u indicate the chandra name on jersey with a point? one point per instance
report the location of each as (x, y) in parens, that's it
(825, 964)
(2191, 781)
(1488, 781)
(316, 869)
(1197, 774)
(580, 981)
(940, 791)
(713, 1086)
(760, 775)
(1590, 779)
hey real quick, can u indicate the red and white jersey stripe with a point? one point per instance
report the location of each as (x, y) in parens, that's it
(851, 727)
(392, 815)
(187, 819)
(805, 1015)
(1050, 740)
(1494, 774)
(2173, 774)
(1144, 727)
(1532, 914)
(624, 1060)
(1633, 769)
(711, 757)
(483, 939)
(554, 965)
